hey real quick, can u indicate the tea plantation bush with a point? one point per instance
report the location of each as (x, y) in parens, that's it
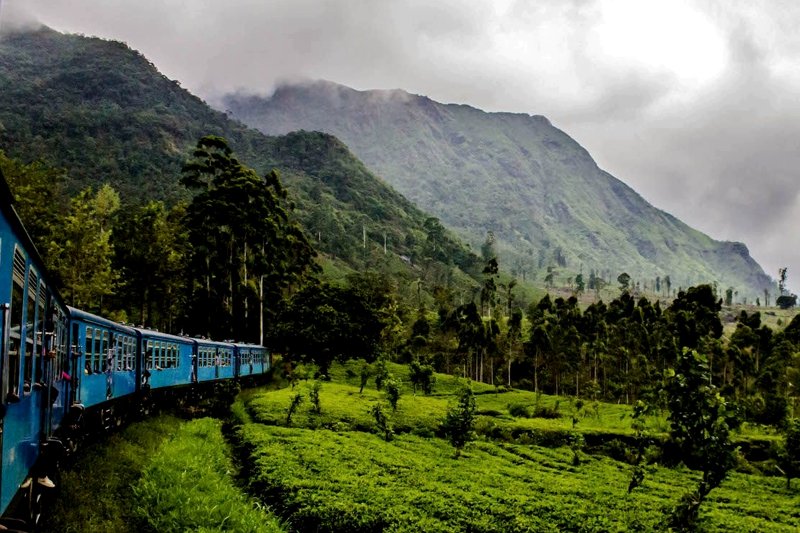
(352, 481)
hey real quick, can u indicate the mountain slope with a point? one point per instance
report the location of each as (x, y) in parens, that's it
(105, 114)
(534, 187)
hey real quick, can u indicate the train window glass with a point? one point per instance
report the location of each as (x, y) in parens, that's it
(17, 301)
(30, 329)
(106, 352)
(97, 351)
(176, 361)
(43, 344)
(119, 352)
(128, 353)
(89, 350)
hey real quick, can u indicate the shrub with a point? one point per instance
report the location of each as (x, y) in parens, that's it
(519, 410)
(313, 395)
(393, 392)
(297, 399)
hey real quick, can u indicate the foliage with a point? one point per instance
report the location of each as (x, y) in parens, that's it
(381, 373)
(324, 323)
(459, 422)
(313, 396)
(151, 250)
(85, 240)
(244, 247)
(789, 457)
(39, 200)
(187, 485)
(421, 376)
(297, 399)
(357, 481)
(382, 421)
(701, 422)
(393, 392)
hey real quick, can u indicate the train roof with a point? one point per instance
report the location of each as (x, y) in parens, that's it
(209, 342)
(98, 320)
(248, 345)
(160, 334)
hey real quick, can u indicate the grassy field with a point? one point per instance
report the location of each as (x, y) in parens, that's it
(162, 474)
(323, 480)
(331, 471)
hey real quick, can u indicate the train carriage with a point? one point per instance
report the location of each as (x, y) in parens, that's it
(35, 380)
(251, 360)
(104, 358)
(166, 360)
(214, 360)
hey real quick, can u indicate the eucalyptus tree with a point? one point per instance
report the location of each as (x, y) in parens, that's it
(245, 247)
(150, 249)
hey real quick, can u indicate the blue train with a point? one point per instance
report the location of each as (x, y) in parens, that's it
(61, 365)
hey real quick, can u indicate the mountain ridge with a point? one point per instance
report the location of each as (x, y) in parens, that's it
(105, 113)
(525, 180)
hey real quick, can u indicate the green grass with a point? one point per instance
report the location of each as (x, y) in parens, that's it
(95, 491)
(353, 481)
(344, 408)
(187, 486)
(162, 474)
(333, 472)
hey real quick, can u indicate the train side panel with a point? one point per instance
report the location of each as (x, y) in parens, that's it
(167, 359)
(33, 321)
(215, 360)
(105, 358)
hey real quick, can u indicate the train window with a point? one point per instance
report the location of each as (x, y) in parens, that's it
(30, 331)
(119, 352)
(42, 345)
(17, 301)
(129, 357)
(157, 355)
(97, 352)
(105, 352)
(87, 352)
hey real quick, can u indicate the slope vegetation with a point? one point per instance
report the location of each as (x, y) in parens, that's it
(104, 113)
(516, 175)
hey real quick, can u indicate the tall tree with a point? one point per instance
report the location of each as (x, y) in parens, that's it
(40, 201)
(151, 247)
(85, 241)
(245, 247)
(700, 422)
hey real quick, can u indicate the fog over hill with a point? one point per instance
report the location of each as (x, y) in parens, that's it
(537, 190)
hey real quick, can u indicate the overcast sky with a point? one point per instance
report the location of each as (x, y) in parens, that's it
(695, 104)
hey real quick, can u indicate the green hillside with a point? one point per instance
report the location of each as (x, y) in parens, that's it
(516, 175)
(104, 113)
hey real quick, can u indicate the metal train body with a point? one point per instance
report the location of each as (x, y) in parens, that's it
(57, 360)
